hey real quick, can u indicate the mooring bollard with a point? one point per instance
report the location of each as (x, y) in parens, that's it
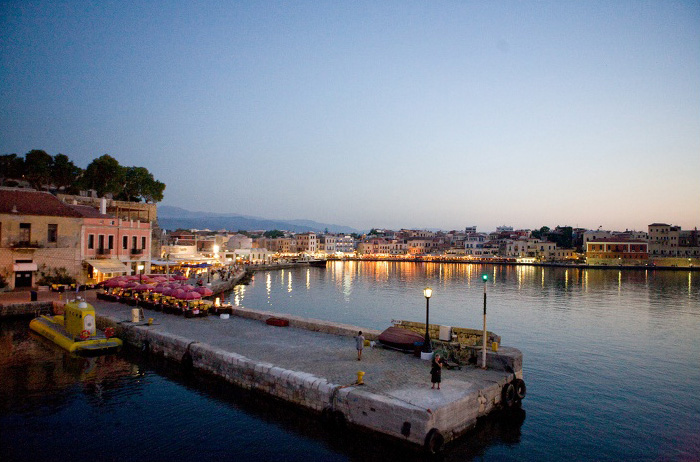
(360, 376)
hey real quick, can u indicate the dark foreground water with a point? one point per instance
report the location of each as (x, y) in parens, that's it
(612, 363)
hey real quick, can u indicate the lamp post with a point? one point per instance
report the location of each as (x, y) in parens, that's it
(427, 292)
(141, 268)
(485, 277)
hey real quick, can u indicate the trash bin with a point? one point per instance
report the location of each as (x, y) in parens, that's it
(417, 347)
(33, 294)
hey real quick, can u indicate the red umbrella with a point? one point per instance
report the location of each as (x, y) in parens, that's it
(114, 283)
(160, 288)
(133, 277)
(130, 285)
(187, 287)
(204, 291)
(144, 287)
(178, 293)
(180, 278)
(191, 295)
(168, 291)
(159, 279)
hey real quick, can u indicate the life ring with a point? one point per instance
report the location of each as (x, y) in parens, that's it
(508, 395)
(434, 441)
(84, 335)
(520, 389)
(109, 332)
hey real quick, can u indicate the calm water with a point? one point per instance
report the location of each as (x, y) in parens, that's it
(612, 363)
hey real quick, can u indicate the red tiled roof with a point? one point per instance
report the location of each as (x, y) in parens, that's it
(88, 212)
(24, 202)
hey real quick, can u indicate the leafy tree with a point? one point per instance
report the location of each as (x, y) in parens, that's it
(542, 233)
(38, 168)
(373, 232)
(11, 167)
(563, 236)
(275, 233)
(104, 175)
(65, 173)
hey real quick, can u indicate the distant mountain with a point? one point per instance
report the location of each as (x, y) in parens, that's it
(171, 218)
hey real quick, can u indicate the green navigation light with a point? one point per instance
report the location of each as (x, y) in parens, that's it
(485, 277)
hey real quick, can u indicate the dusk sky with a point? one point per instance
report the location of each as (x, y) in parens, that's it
(372, 114)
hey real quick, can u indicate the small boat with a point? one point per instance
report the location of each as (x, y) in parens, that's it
(76, 330)
(401, 339)
(317, 263)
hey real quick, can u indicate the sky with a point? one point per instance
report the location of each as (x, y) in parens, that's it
(403, 114)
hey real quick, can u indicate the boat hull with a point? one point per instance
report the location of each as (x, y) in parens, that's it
(401, 339)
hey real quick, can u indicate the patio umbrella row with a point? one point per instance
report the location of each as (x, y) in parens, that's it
(181, 291)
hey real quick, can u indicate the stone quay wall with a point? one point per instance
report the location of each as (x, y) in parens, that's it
(316, 325)
(339, 403)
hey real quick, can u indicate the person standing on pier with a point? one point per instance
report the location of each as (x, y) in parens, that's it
(436, 371)
(359, 344)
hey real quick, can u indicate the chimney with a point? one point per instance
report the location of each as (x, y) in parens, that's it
(103, 206)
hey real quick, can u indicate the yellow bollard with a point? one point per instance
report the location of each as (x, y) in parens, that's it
(360, 376)
(494, 346)
(150, 321)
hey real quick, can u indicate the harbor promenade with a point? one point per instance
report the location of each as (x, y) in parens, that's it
(316, 367)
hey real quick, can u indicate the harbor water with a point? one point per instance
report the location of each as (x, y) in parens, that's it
(610, 360)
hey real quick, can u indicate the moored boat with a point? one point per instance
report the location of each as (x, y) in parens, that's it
(401, 339)
(76, 330)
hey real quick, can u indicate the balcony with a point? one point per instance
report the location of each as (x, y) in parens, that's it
(136, 251)
(103, 252)
(19, 245)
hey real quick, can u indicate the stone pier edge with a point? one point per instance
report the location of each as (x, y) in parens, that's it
(376, 412)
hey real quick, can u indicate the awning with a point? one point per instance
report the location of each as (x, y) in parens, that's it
(108, 265)
(24, 267)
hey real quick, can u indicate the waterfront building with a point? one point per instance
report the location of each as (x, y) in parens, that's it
(530, 249)
(239, 241)
(345, 244)
(671, 246)
(307, 242)
(614, 251)
(593, 235)
(327, 244)
(41, 236)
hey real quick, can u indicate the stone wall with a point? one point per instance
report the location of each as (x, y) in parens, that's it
(316, 325)
(464, 336)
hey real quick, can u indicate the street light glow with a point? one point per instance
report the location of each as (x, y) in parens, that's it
(428, 292)
(485, 277)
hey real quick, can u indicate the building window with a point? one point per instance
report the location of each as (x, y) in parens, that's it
(25, 232)
(133, 242)
(101, 241)
(52, 234)
(91, 241)
(125, 242)
(110, 242)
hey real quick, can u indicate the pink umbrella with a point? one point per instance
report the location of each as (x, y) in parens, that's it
(178, 293)
(168, 291)
(187, 287)
(160, 288)
(204, 291)
(130, 284)
(133, 277)
(191, 295)
(180, 278)
(114, 283)
(159, 279)
(143, 287)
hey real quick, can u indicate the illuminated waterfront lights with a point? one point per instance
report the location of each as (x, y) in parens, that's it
(485, 277)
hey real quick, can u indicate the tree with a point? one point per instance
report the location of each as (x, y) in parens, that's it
(275, 233)
(11, 167)
(542, 233)
(65, 173)
(104, 175)
(37, 168)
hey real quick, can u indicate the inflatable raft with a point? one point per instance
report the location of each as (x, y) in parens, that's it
(76, 330)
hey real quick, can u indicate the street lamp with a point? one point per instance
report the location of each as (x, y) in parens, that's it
(141, 268)
(427, 292)
(485, 278)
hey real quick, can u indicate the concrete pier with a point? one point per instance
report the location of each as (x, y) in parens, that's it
(314, 364)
